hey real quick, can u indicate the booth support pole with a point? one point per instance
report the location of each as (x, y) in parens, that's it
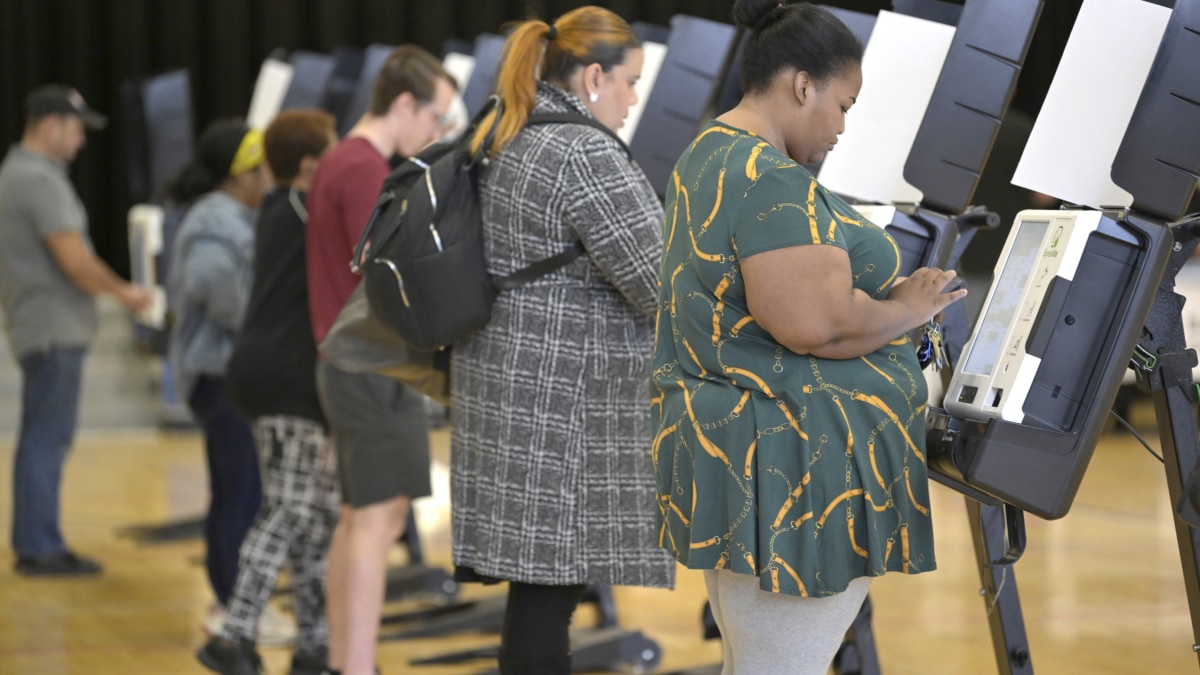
(999, 589)
(1178, 434)
(1174, 396)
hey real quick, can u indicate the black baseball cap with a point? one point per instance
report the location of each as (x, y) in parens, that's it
(57, 99)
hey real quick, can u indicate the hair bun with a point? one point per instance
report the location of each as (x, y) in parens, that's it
(756, 14)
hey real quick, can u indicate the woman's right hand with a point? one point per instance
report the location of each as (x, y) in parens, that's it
(924, 294)
(804, 296)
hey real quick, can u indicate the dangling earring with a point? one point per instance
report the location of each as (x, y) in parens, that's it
(593, 97)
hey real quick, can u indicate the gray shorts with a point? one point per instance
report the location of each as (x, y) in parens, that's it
(381, 432)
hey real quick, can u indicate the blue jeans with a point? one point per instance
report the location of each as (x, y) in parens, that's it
(49, 410)
(234, 485)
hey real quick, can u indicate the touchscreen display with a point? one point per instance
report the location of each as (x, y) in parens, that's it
(1006, 293)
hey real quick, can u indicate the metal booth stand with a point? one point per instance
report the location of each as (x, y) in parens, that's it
(1031, 453)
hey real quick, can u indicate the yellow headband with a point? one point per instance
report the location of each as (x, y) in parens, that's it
(249, 153)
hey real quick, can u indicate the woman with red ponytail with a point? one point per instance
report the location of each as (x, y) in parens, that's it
(551, 477)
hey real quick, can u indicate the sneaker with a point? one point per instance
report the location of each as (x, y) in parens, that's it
(310, 662)
(275, 629)
(230, 658)
(65, 564)
(214, 621)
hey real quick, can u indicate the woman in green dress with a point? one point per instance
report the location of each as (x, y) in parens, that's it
(789, 399)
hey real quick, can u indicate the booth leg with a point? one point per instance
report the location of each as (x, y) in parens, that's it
(1175, 395)
(999, 589)
(1178, 436)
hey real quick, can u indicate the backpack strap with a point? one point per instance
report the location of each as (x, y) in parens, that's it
(538, 269)
(547, 265)
(493, 102)
(576, 118)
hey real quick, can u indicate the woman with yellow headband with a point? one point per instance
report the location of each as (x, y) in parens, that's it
(209, 285)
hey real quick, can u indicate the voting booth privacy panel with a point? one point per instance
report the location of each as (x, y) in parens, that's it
(958, 128)
(159, 121)
(360, 99)
(687, 81)
(1071, 295)
(476, 90)
(311, 73)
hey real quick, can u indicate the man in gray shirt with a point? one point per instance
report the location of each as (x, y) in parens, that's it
(49, 274)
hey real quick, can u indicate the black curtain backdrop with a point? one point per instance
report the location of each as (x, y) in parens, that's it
(95, 45)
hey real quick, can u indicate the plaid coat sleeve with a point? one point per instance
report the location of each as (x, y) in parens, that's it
(618, 218)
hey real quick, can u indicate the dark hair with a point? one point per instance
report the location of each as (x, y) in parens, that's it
(210, 161)
(800, 36)
(294, 135)
(408, 68)
(580, 37)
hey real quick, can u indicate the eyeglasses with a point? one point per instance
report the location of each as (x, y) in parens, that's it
(442, 119)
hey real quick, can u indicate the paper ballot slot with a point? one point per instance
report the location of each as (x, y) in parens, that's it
(1041, 369)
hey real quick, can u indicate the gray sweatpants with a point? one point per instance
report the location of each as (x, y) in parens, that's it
(778, 633)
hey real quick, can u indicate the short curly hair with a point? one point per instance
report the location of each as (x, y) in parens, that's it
(294, 135)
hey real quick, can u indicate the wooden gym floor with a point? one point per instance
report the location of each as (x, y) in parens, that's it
(1102, 588)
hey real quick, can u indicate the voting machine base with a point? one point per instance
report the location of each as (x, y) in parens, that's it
(419, 579)
(484, 616)
(604, 647)
(416, 579)
(160, 533)
(609, 649)
(481, 616)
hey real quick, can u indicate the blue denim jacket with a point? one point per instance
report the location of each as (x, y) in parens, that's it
(211, 274)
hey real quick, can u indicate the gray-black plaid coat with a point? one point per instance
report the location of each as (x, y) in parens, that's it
(551, 476)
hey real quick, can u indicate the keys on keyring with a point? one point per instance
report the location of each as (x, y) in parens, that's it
(933, 347)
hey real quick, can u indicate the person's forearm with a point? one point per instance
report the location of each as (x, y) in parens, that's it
(859, 327)
(91, 275)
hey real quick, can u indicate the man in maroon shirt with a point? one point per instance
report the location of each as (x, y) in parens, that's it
(380, 427)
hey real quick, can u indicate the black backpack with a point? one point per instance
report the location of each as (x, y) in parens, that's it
(421, 254)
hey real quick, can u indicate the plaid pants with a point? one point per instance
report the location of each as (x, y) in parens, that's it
(299, 511)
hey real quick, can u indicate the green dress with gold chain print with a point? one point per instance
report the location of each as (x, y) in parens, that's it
(807, 472)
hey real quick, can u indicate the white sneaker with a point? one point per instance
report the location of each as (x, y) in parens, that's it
(214, 621)
(275, 629)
